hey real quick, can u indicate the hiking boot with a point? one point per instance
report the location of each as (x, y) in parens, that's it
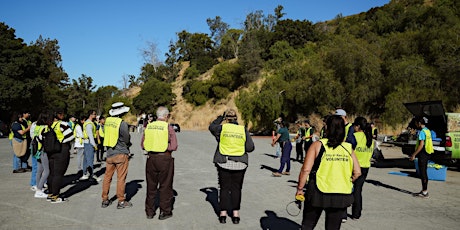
(124, 204)
(106, 203)
(422, 195)
(49, 197)
(276, 174)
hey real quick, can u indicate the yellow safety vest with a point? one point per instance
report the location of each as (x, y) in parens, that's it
(101, 130)
(77, 138)
(112, 126)
(307, 134)
(347, 127)
(56, 126)
(232, 140)
(363, 153)
(156, 136)
(85, 134)
(428, 141)
(335, 169)
(11, 135)
(38, 129)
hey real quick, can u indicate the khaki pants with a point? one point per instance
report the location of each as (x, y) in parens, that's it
(120, 164)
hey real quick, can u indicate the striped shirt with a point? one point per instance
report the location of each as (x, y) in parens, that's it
(67, 132)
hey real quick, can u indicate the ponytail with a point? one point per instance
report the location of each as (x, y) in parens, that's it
(366, 128)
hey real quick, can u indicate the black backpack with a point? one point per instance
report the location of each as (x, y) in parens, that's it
(50, 142)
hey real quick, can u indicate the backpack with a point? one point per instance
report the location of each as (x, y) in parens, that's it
(50, 142)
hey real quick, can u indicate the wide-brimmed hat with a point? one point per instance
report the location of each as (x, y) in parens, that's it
(118, 108)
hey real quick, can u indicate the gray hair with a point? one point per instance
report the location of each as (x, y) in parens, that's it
(162, 112)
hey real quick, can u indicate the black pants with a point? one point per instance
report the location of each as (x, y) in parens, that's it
(357, 206)
(299, 151)
(100, 151)
(58, 166)
(231, 183)
(311, 216)
(307, 145)
(423, 159)
(159, 173)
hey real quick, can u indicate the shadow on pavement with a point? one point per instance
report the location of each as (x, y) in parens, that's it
(212, 196)
(268, 168)
(271, 155)
(403, 163)
(132, 188)
(273, 222)
(380, 184)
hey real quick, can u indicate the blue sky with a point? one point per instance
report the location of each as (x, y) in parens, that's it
(103, 39)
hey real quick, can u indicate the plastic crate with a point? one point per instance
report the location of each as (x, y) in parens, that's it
(434, 173)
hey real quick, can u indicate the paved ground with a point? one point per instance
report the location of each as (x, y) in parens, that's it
(388, 203)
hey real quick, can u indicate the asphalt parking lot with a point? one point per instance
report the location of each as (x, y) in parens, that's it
(387, 195)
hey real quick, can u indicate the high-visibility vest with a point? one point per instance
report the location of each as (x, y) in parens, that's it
(37, 131)
(112, 131)
(363, 153)
(428, 141)
(85, 134)
(156, 136)
(101, 130)
(335, 170)
(232, 140)
(56, 126)
(11, 135)
(307, 134)
(77, 138)
(347, 128)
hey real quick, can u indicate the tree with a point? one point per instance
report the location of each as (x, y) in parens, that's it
(154, 93)
(150, 55)
(218, 29)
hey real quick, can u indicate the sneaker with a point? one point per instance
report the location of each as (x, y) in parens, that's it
(58, 200)
(344, 220)
(49, 197)
(276, 174)
(106, 203)
(286, 173)
(124, 204)
(96, 178)
(422, 195)
(84, 177)
(34, 188)
(40, 194)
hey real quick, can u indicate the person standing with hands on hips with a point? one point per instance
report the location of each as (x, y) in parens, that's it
(423, 149)
(159, 140)
(282, 137)
(331, 167)
(231, 161)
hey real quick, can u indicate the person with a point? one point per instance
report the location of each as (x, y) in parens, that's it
(277, 123)
(231, 161)
(349, 137)
(117, 140)
(79, 144)
(100, 139)
(26, 122)
(374, 130)
(308, 138)
(159, 140)
(59, 162)
(18, 138)
(363, 151)
(299, 140)
(89, 134)
(43, 170)
(330, 167)
(423, 149)
(322, 133)
(282, 137)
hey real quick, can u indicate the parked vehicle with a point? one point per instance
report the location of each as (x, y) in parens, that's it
(445, 129)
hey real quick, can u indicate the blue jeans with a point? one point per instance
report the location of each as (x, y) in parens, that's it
(88, 159)
(285, 156)
(17, 162)
(33, 176)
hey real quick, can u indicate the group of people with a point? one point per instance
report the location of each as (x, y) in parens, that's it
(334, 169)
